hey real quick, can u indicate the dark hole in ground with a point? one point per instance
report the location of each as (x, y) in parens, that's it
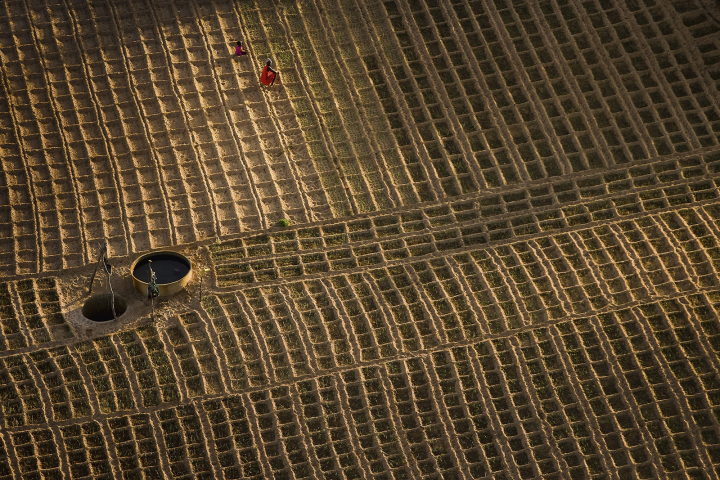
(98, 308)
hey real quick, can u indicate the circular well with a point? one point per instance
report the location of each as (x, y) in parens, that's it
(173, 271)
(98, 308)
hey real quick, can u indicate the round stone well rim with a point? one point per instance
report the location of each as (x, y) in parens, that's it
(166, 289)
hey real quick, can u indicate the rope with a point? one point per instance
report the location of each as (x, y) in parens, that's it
(112, 294)
(103, 251)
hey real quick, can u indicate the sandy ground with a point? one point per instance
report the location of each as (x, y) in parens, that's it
(502, 257)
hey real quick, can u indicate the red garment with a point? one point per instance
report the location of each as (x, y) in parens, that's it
(267, 77)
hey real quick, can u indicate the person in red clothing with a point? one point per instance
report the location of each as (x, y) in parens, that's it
(268, 75)
(239, 49)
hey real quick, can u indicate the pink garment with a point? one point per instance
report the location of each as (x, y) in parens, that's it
(239, 50)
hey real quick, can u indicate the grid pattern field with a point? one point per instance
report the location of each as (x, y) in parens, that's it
(503, 259)
(133, 122)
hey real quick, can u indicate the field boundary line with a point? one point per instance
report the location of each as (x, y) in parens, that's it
(146, 130)
(106, 141)
(236, 140)
(198, 162)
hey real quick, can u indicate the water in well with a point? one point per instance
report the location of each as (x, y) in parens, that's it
(167, 268)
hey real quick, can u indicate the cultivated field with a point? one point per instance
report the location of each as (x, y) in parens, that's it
(503, 258)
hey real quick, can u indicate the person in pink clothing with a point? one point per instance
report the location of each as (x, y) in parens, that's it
(239, 49)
